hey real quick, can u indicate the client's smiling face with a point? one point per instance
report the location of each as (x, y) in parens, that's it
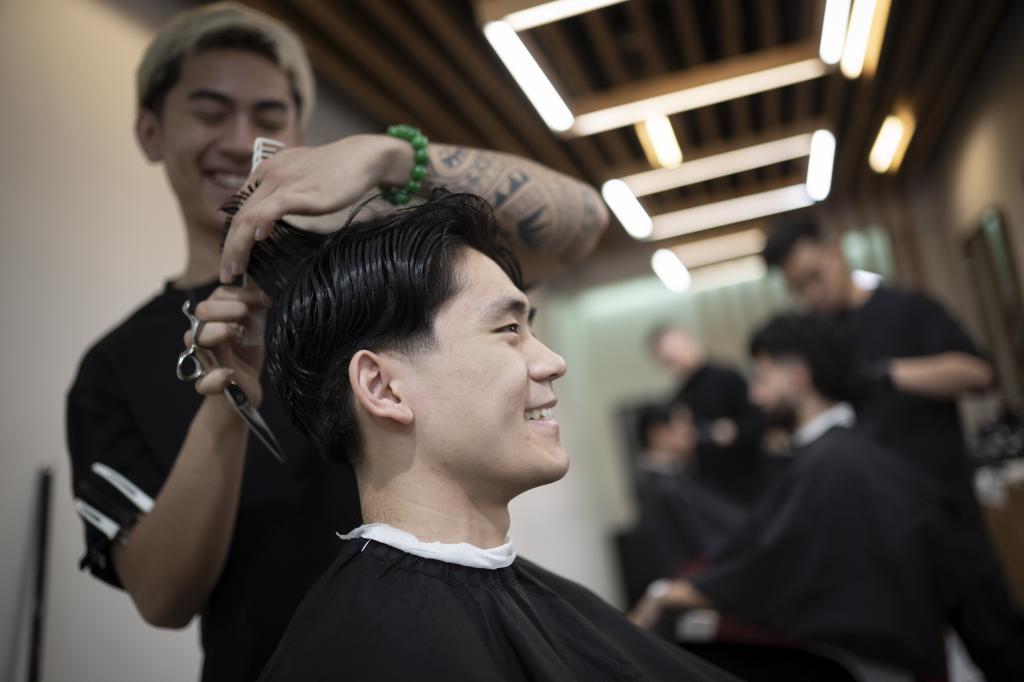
(483, 399)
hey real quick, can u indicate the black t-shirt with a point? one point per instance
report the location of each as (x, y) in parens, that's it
(715, 392)
(127, 410)
(901, 324)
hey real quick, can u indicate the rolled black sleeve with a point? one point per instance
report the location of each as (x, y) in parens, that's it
(940, 332)
(101, 429)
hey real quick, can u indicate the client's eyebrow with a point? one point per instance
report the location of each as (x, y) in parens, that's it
(508, 305)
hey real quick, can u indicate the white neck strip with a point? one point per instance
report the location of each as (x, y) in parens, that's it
(461, 553)
(840, 414)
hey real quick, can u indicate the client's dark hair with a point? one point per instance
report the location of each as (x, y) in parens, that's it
(824, 345)
(375, 284)
(654, 414)
(784, 238)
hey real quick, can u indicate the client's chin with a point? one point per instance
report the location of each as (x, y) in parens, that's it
(551, 464)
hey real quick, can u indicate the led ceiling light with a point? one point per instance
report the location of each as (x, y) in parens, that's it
(722, 248)
(729, 211)
(883, 151)
(528, 74)
(833, 30)
(627, 209)
(659, 142)
(726, 274)
(891, 144)
(542, 12)
(864, 38)
(670, 270)
(720, 165)
(819, 165)
(697, 96)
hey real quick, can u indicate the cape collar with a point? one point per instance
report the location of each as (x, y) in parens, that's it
(840, 414)
(461, 553)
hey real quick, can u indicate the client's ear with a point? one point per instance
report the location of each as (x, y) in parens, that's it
(374, 387)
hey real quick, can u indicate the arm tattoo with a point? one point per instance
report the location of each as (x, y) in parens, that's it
(582, 240)
(454, 157)
(540, 209)
(516, 179)
(532, 228)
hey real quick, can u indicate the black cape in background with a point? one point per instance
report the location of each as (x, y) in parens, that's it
(715, 392)
(381, 614)
(681, 521)
(852, 548)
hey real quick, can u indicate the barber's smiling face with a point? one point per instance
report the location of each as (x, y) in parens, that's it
(484, 400)
(204, 133)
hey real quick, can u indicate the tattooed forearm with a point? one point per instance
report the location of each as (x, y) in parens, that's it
(516, 179)
(540, 210)
(453, 157)
(532, 229)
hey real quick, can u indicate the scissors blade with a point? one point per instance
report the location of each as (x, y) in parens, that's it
(252, 417)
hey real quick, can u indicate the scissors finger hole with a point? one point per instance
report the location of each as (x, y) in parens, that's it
(189, 367)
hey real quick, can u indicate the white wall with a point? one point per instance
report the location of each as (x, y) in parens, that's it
(89, 231)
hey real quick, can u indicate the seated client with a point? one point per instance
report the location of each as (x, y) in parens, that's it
(402, 346)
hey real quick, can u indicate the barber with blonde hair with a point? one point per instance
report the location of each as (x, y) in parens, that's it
(185, 508)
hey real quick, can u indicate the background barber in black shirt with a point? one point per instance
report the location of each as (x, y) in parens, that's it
(916, 356)
(729, 428)
(917, 361)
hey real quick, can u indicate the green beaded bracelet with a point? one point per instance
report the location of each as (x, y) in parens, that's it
(401, 195)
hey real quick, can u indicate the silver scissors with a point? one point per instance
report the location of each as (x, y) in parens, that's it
(190, 368)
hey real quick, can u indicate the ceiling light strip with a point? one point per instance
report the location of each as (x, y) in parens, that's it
(729, 211)
(670, 270)
(698, 96)
(708, 250)
(820, 163)
(528, 74)
(833, 30)
(720, 165)
(659, 142)
(623, 203)
(549, 12)
(891, 144)
(864, 38)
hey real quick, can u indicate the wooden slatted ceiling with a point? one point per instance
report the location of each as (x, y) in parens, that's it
(426, 62)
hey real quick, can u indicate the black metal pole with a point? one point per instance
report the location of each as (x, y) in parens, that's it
(39, 588)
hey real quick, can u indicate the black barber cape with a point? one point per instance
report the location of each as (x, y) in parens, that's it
(850, 547)
(680, 521)
(715, 392)
(128, 411)
(382, 614)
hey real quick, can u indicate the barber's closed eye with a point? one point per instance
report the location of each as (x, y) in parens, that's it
(210, 117)
(271, 124)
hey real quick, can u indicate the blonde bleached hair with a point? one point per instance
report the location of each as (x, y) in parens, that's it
(224, 25)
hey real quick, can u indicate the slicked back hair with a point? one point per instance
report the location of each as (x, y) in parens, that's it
(785, 237)
(824, 345)
(376, 284)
